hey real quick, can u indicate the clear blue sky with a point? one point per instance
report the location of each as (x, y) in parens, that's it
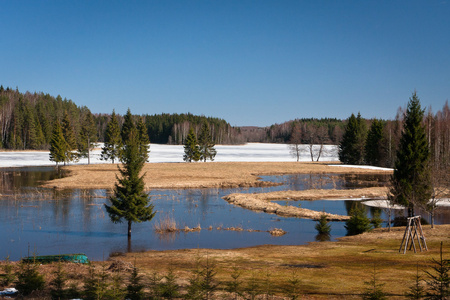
(248, 62)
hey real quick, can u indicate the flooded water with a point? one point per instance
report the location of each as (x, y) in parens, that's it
(43, 221)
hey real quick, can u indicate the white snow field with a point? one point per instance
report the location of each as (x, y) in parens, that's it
(251, 152)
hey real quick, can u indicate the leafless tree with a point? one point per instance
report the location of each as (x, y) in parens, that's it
(316, 137)
(295, 142)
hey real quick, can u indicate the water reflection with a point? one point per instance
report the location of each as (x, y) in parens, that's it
(56, 222)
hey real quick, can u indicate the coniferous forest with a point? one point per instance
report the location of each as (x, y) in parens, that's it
(27, 120)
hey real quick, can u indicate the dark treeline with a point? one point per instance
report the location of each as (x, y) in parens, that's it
(375, 142)
(27, 119)
(174, 128)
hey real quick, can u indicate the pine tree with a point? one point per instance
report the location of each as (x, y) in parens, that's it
(206, 144)
(144, 141)
(191, 149)
(69, 137)
(411, 181)
(88, 136)
(113, 140)
(130, 202)
(58, 145)
(351, 148)
(374, 141)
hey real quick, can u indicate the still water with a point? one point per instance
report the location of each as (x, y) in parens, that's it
(43, 221)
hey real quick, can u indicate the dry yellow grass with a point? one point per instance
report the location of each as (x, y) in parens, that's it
(327, 270)
(261, 202)
(194, 175)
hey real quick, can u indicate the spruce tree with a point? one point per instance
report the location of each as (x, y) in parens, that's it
(113, 140)
(373, 147)
(130, 202)
(88, 136)
(144, 141)
(40, 138)
(69, 137)
(322, 226)
(128, 126)
(191, 149)
(29, 279)
(57, 145)
(351, 148)
(206, 144)
(135, 289)
(358, 222)
(411, 181)
(439, 281)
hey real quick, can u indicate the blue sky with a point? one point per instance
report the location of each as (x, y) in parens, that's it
(248, 62)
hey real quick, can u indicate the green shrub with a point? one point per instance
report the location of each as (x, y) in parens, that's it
(358, 222)
(135, 289)
(323, 227)
(8, 275)
(29, 279)
(376, 219)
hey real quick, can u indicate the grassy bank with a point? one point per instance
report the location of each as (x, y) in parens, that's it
(324, 270)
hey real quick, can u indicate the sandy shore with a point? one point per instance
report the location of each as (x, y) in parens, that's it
(195, 175)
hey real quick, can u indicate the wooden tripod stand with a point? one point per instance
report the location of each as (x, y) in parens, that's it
(413, 230)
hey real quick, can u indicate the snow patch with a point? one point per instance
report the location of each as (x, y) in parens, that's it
(251, 152)
(363, 167)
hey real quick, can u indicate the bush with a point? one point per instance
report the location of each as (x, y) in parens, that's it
(29, 279)
(323, 227)
(376, 219)
(358, 222)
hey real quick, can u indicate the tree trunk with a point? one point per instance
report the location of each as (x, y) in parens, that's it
(129, 229)
(89, 150)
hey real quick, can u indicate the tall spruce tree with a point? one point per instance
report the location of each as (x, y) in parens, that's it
(69, 137)
(144, 141)
(88, 136)
(191, 149)
(351, 148)
(57, 145)
(128, 126)
(206, 144)
(411, 181)
(374, 141)
(113, 140)
(130, 202)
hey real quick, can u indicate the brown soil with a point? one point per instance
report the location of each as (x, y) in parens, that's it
(195, 175)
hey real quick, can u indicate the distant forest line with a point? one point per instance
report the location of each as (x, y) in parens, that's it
(27, 119)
